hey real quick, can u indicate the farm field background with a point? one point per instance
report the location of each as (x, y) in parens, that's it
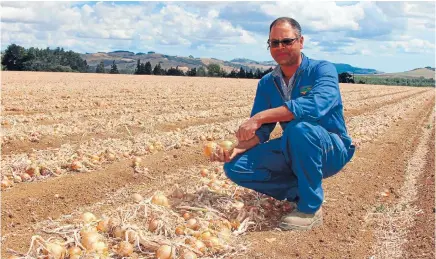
(76, 136)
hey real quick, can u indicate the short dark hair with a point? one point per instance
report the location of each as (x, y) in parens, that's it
(295, 25)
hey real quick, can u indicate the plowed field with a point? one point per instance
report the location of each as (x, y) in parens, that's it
(75, 135)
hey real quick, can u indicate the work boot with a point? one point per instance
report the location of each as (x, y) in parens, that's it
(297, 220)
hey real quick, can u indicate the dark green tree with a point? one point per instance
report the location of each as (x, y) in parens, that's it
(14, 57)
(241, 73)
(147, 68)
(192, 72)
(114, 69)
(213, 70)
(100, 68)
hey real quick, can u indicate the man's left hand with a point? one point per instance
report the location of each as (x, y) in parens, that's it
(248, 129)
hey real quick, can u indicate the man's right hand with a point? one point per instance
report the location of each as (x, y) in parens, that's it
(221, 155)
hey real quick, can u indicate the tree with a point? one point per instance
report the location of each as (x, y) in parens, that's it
(157, 70)
(138, 67)
(241, 73)
(249, 74)
(192, 72)
(201, 71)
(100, 68)
(213, 70)
(14, 57)
(233, 74)
(346, 78)
(114, 69)
(147, 68)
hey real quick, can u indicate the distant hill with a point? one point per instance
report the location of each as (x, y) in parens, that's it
(126, 62)
(426, 72)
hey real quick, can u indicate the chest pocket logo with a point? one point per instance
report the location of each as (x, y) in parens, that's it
(305, 89)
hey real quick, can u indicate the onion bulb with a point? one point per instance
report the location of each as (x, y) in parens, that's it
(74, 252)
(165, 252)
(57, 251)
(226, 145)
(137, 197)
(192, 224)
(88, 217)
(188, 255)
(103, 225)
(209, 148)
(33, 170)
(160, 199)
(17, 179)
(125, 249)
(6, 184)
(204, 172)
(187, 215)
(179, 231)
(118, 232)
(137, 161)
(99, 247)
(76, 165)
(25, 177)
(199, 245)
(205, 235)
(90, 238)
(154, 225)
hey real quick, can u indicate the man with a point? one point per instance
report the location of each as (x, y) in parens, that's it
(303, 96)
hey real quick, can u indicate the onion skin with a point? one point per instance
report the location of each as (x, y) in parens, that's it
(209, 148)
(125, 249)
(88, 217)
(57, 251)
(165, 252)
(160, 199)
(188, 255)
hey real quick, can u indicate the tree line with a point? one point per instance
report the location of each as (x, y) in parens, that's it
(378, 80)
(18, 58)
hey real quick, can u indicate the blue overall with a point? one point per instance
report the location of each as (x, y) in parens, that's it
(314, 145)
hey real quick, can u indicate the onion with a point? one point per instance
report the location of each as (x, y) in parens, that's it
(150, 148)
(25, 177)
(188, 255)
(88, 217)
(154, 225)
(76, 165)
(137, 197)
(187, 215)
(238, 205)
(180, 231)
(226, 145)
(125, 249)
(165, 252)
(192, 224)
(160, 199)
(90, 238)
(113, 222)
(74, 252)
(209, 148)
(205, 235)
(55, 250)
(118, 232)
(110, 157)
(99, 247)
(199, 245)
(204, 172)
(214, 243)
(136, 161)
(103, 225)
(202, 138)
(33, 170)
(17, 179)
(6, 184)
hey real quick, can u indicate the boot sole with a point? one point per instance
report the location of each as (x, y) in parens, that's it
(286, 226)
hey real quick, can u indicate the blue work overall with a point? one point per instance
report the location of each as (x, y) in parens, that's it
(314, 145)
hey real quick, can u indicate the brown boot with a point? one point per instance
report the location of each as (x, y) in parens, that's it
(297, 220)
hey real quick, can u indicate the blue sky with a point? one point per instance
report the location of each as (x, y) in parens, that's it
(387, 36)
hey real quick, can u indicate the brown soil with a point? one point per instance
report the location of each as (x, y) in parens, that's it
(376, 166)
(421, 238)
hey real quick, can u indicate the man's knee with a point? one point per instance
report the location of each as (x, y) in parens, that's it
(298, 130)
(230, 172)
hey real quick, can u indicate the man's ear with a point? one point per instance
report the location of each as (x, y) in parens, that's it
(301, 42)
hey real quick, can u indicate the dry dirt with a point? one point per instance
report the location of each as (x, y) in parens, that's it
(55, 118)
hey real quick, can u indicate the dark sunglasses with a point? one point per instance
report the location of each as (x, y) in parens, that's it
(285, 42)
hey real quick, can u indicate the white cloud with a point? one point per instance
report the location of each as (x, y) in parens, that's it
(412, 46)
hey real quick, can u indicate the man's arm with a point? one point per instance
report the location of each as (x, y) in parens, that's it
(278, 114)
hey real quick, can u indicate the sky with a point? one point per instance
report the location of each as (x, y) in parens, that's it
(386, 36)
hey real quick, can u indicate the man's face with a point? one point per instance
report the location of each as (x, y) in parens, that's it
(286, 55)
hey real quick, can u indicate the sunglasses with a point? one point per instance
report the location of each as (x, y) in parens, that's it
(285, 42)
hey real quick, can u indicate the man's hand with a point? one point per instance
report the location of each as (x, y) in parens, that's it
(221, 155)
(248, 129)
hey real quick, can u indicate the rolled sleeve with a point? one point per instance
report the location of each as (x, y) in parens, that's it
(261, 103)
(323, 96)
